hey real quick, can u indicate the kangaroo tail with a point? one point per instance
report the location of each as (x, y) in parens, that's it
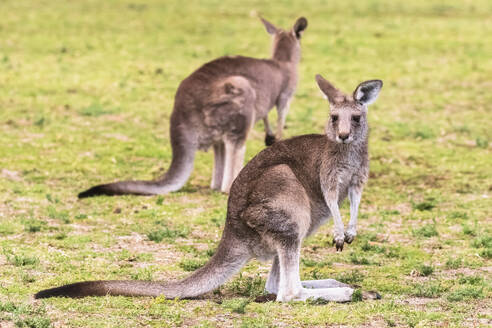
(184, 148)
(229, 258)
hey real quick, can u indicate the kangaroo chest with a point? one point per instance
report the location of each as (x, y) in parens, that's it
(344, 178)
(338, 174)
(333, 179)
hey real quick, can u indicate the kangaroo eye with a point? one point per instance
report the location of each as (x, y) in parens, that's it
(356, 118)
(334, 118)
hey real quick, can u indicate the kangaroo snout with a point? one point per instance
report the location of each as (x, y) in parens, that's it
(343, 136)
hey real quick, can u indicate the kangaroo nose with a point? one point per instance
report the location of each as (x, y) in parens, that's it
(343, 136)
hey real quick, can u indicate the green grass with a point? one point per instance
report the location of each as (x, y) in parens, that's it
(86, 91)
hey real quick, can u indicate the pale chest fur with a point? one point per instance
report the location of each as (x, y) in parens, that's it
(347, 174)
(342, 170)
(336, 175)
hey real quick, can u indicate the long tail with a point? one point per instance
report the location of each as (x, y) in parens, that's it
(183, 146)
(228, 260)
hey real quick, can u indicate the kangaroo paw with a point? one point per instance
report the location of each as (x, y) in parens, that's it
(339, 243)
(349, 236)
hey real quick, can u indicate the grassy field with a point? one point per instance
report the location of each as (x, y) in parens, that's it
(86, 91)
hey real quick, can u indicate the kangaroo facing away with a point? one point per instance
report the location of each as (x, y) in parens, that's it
(280, 197)
(217, 105)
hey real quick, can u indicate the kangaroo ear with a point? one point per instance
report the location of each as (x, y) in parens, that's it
(367, 92)
(333, 94)
(271, 29)
(299, 26)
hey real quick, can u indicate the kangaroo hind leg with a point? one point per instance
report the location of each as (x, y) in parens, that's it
(272, 282)
(235, 116)
(291, 288)
(269, 136)
(219, 166)
(284, 281)
(283, 105)
(234, 158)
(271, 285)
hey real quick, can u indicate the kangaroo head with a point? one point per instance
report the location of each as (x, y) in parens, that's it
(348, 114)
(286, 44)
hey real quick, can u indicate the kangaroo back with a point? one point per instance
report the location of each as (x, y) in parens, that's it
(246, 85)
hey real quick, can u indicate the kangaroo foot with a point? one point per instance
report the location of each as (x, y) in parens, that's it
(270, 139)
(371, 295)
(350, 236)
(266, 298)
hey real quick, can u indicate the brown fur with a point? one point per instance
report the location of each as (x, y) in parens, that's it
(280, 197)
(217, 105)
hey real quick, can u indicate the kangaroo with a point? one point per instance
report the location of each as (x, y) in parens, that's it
(280, 197)
(217, 105)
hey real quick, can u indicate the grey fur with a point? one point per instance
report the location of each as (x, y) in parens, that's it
(217, 105)
(280, 197)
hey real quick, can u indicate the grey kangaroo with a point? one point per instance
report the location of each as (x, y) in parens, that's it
(280, 197)
(217, 105)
